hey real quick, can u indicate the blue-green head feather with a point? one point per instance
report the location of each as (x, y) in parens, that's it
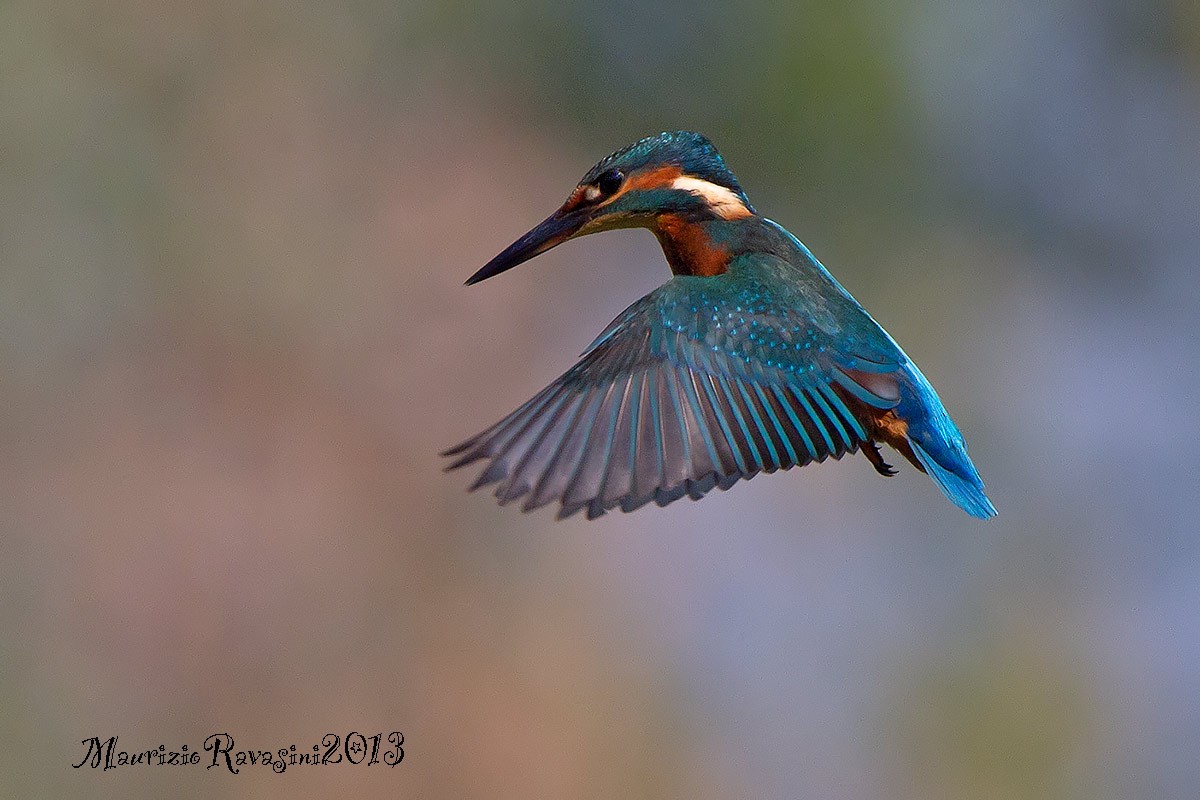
(692, 152)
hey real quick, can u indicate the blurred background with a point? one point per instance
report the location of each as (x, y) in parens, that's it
(234, 336)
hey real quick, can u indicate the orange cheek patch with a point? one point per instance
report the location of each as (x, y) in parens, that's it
(659, 178)
(575, 200)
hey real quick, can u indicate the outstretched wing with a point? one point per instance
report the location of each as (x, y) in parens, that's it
(697, 385)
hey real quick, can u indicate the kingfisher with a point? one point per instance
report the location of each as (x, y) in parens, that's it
(751, 358)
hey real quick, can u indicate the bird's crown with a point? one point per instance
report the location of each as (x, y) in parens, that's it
(691, 152)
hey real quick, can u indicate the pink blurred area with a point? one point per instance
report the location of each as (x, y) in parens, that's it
(234, 338)
(225, 507)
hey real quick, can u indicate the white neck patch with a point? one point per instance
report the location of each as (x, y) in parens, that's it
(723, 201)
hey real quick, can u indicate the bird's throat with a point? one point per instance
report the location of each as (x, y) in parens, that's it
(689, 248)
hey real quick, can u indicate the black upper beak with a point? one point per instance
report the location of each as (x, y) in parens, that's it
(554, 230)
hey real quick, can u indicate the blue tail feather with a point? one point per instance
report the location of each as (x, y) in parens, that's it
(966, 493)
(939, 446)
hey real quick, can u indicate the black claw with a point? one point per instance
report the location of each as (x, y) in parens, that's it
(871, 451)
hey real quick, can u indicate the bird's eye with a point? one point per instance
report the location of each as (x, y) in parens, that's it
(609, 182)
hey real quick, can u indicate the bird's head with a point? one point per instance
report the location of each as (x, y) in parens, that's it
(677, 174)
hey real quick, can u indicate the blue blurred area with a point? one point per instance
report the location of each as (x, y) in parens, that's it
(233, 338)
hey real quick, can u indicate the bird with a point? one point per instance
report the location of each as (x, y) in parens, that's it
(751, 358)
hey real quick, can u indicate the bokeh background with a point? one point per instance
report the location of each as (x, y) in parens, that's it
(233, 337)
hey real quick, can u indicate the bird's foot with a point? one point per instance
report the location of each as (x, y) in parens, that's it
(871, 451)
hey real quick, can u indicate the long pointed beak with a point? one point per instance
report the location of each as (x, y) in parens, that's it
(554, 230)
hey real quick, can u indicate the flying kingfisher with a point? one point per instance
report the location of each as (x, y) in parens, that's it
(751, 358)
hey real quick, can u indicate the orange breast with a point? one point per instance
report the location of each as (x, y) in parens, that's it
(689, 250)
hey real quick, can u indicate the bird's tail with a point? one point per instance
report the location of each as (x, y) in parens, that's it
(965, 491)
(939, 446)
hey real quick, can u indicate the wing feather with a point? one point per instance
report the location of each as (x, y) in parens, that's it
(664, 405)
